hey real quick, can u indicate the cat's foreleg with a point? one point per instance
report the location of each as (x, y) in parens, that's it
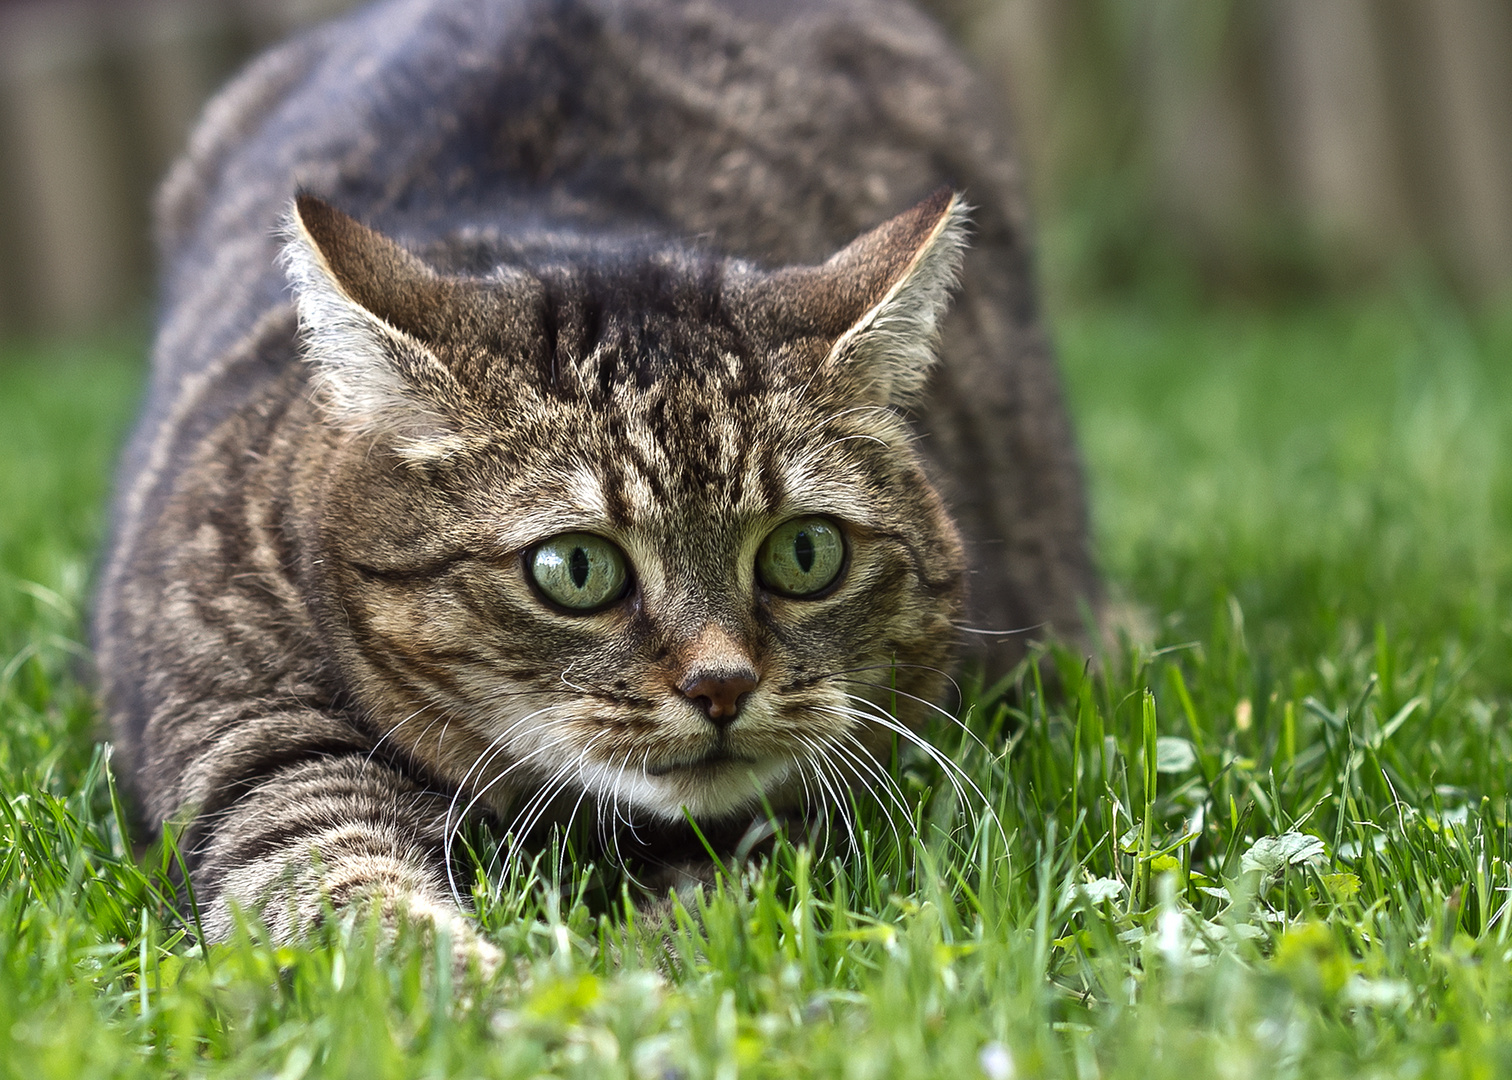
(334, 834)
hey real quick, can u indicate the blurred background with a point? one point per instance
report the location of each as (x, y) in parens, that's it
(1250, 148)
(96, 99)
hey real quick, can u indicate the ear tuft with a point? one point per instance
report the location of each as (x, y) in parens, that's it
(370, 377)
(910, 264)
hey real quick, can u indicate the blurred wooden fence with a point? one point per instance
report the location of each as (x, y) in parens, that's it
(1374, 130)
(96, 98)
(1370, 132)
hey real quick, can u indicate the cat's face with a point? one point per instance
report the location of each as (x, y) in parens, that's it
(651, 532)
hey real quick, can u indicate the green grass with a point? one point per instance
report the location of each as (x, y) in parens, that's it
(1267, 838)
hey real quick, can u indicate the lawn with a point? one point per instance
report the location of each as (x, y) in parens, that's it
(1265, 836)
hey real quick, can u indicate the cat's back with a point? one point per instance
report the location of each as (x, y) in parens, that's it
(776, 129)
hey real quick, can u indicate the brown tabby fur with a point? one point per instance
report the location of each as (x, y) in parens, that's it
(317, 635)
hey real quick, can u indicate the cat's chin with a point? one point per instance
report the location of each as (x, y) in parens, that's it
(714, 786)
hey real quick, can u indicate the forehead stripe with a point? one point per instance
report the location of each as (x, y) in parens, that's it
(586, 491)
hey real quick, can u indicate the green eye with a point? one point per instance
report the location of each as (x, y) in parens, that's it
(801, 557)
(579, 571)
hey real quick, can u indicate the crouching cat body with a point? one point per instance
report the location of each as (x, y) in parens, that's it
(573, 468)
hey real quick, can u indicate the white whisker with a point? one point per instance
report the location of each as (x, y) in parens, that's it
(946, 713)
(484, 759)
(540, 800)
(822, 776)
(566, 829)
(999, 633)
(950, 769)
(540, 803)
(895, 665)
(886, 783)
(396, 727)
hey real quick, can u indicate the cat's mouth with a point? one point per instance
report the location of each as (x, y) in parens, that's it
(716, 760)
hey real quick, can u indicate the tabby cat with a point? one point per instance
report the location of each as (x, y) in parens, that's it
(559, 448)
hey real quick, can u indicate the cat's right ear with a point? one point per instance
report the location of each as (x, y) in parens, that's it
(363, 302)
(880, 300)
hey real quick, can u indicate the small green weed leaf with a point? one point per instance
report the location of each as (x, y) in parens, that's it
(1174, 754)
(1341, 886)
(1097, 890)
(1272, 854)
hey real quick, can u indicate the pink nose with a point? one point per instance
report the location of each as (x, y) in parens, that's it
(718, 694)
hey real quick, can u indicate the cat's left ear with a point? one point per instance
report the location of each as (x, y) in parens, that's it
(882, 297)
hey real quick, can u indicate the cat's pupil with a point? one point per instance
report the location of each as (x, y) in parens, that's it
(577, 566)
(803, 551)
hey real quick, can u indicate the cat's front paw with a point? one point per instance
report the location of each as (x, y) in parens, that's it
(473, 957)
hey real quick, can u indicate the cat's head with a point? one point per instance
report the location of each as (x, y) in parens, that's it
(647, 525)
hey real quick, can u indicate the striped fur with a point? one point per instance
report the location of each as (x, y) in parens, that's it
(317, 637)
